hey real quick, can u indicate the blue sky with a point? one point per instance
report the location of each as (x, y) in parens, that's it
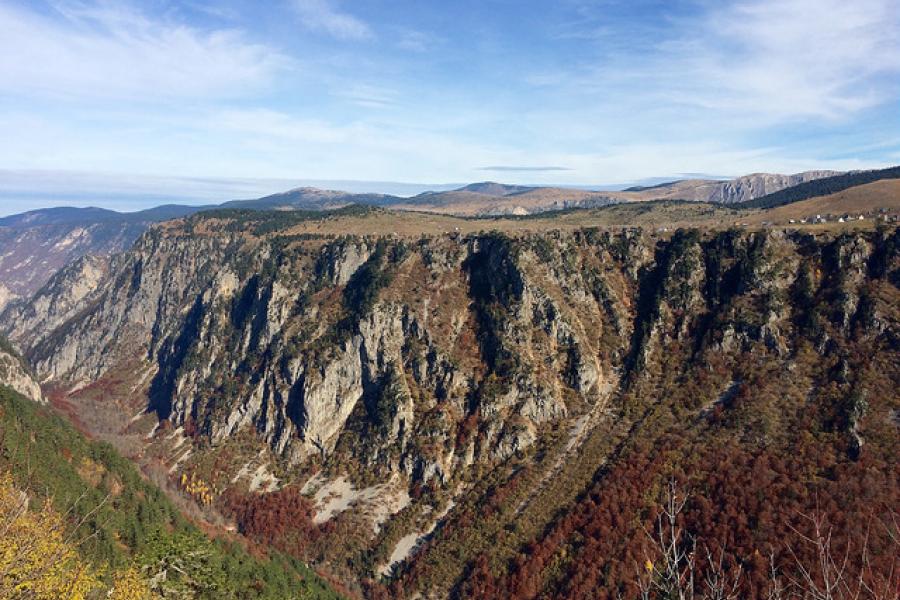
(523, 91)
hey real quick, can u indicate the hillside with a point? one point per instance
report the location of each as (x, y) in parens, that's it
(16, 374)
(491, 199)
(475, 413)
(821, 187)
(310, 199)
(124, 523)
(34, 245)
(492, 188)
(869, 200)
(756, 185)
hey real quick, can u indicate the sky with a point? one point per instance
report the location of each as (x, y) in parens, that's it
(132, 103)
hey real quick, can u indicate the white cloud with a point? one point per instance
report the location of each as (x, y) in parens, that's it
(415, 41)
(323, 16)
(369, 96)
(266, 124)
(376, 151)
(790, 58)
(265, 143)
(749, 64)
(702, 97)
(105, 51)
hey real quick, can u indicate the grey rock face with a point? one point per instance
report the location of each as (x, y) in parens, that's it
(58, 302)
(15, 374)
(757, 185)
(416, 357)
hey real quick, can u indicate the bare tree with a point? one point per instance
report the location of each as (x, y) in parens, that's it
(671, 575)
(719, 583)
(834, 576)
(776, 586)
(670, 570)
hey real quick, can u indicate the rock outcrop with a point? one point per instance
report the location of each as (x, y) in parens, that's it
(14, 373)
(757, 185)
(428, 368)
(304, 341)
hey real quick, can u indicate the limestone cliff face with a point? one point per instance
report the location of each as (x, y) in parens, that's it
(307, 341)
(757, 185)
(32, 249)
(58, 302)
(6, 296)
(15, 374)
(469, 388)
(418, 357)
(34, 245)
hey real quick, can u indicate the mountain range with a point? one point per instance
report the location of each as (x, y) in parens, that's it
(33, 245)
(426, 410)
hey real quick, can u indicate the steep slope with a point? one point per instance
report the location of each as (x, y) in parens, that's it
(15, 374)
(756, 185)
(821, 187)
(457, 412)
(34, 245)
(115, 520)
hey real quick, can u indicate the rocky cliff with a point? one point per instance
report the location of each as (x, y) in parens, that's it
(404, 382)
(14, 373)
(299, 340)
(36, 244)
(757, 185)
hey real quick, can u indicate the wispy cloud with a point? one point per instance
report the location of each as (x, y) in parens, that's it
(369, 96)
(267, 124)
(101, 50)
(522, 169)
(616, 92)
(212, 9)
(755, 62)
(415, 41)
(791, 58)
(324, 16)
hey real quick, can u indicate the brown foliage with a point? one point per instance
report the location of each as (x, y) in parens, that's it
(283, 518)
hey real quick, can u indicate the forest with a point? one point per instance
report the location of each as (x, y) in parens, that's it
(79, 521)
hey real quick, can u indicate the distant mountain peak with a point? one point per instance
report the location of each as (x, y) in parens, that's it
(492, 188)
(656, 186)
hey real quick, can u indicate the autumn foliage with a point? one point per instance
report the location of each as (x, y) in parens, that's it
(283, 518)
(39, 556)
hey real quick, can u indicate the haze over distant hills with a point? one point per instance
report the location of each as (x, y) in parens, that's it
(337, 375)
(35, 244)
(489, 198)
(400, 397)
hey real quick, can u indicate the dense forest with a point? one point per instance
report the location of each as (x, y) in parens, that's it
(78, 520)
(820, 187)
